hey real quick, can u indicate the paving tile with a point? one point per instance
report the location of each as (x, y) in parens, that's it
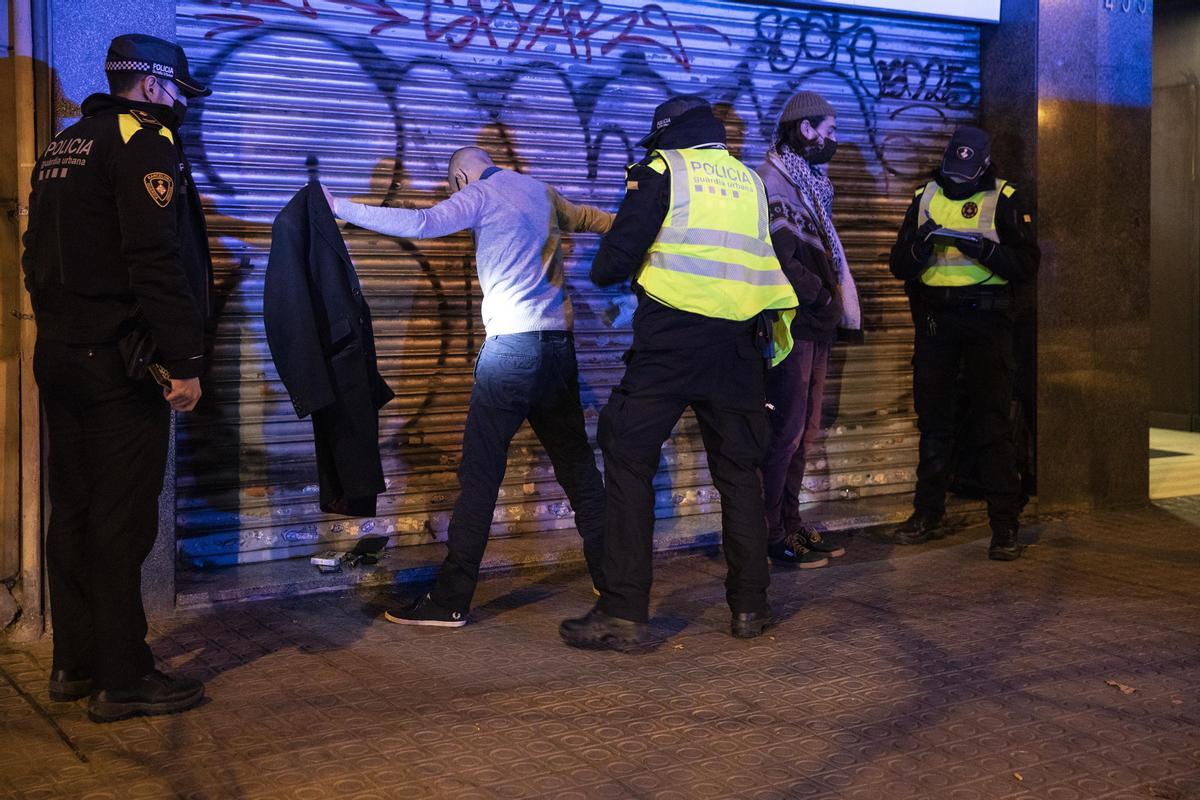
(928, 673)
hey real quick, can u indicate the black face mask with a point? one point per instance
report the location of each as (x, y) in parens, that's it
(819, 152)
(177, 111)
(180, 111)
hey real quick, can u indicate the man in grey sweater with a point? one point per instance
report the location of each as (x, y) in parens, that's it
(526, 368)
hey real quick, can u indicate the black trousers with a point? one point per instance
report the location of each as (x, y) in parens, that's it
(725, 386)
(979, 344)
(520, 376)
(108, 440)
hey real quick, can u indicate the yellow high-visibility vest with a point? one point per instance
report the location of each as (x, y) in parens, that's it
(974, 214)
(713, 255)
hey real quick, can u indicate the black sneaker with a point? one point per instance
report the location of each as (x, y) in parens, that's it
(67, 686)
(154, 694)
(919, 528)
(794, 552)
(598, 631)
(814, 541)
(751, 624)
(1005, 546)
(427, 612)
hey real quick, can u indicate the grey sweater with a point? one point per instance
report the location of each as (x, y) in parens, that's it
(518, 224)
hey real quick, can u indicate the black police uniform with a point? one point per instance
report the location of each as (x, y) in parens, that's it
(968, 330)
(115, 229)
(678, 359)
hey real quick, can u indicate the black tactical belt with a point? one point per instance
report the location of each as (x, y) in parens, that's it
(997, 298)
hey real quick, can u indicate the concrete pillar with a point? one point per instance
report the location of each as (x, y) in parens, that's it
(1067, 91)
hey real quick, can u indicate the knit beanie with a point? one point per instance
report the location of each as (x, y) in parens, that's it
(806, 105)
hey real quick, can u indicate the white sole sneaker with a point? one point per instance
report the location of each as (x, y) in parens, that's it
(432, 623)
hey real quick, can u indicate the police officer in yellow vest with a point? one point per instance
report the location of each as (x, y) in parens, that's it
(966, 240)
(692, 233)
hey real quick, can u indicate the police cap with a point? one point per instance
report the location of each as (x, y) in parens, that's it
(137, 52)
(968, 154)
(679, 109)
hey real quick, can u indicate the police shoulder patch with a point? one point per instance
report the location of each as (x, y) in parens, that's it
(130, 124)
(161, 187)
(145, 117)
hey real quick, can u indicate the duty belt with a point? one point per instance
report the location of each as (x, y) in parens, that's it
(973, 297)
(64, 316)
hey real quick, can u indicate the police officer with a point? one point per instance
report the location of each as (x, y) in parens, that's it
(693, 233)
(116, 262)
(966, 240)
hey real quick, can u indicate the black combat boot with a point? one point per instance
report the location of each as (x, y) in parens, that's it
(155, 693)
(598, 631)
(747, 625)
(68, 685)
(1005, 546)
(919, 528)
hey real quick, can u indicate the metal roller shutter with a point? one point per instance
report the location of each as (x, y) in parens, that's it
(382, 92)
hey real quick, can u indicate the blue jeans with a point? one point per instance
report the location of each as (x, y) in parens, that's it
(520, 376)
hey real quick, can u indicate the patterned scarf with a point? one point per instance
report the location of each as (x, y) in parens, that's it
(814, 183)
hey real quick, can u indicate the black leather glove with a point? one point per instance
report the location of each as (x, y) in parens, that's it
(923, 246)
(980, 250)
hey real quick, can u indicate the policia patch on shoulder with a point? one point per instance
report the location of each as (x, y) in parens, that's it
(161, 187)
(145, 117)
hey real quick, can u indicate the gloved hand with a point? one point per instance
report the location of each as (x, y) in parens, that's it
(619, 312)
(923, 246)
(980, 250)
(926, 230)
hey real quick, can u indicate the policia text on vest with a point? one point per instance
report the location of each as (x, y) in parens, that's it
(705, 272)
(713, 255)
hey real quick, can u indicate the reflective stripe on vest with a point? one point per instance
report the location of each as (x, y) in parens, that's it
(713, 255)
(974, 214)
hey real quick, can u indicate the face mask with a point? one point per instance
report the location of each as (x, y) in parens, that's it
(820, 151)
(177, 108)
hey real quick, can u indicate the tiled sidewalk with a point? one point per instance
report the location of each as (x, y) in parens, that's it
(924, 672)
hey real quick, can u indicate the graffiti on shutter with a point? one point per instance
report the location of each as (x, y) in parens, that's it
(383, 91)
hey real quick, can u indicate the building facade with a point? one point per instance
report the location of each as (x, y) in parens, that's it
(381, 93)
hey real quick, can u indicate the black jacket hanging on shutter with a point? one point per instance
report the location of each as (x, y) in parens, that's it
(319, 331)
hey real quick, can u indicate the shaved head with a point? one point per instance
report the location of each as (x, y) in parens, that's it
(467, 165)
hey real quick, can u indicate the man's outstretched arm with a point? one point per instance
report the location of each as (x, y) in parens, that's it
(460, 211)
